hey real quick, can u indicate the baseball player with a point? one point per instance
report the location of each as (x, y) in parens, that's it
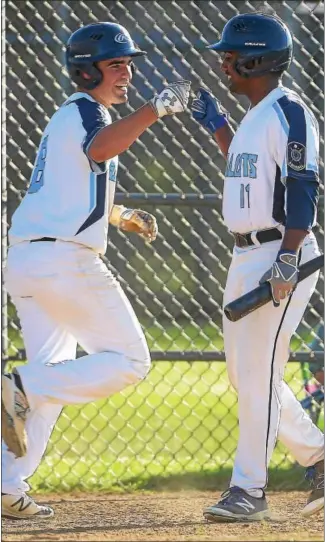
(63, 292)
(269, 204)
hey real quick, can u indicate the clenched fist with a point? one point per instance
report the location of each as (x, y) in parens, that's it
(172, 99)
(282, 276)
(208, 111)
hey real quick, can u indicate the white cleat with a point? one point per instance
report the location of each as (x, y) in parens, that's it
(23, 507)
(14, 410)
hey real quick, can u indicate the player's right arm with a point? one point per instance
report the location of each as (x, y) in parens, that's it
(208, 112)
(117, 137)
(223, 137)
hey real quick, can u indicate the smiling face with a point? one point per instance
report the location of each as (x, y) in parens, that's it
(236, 83)
(117, 76)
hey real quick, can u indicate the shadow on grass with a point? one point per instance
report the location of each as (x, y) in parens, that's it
(288, 479)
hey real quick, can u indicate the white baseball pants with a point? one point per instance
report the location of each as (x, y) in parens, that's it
(64, 295)
(257, 349)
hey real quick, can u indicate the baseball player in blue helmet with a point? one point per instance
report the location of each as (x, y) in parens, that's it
(89, 46)
(270, 198)
(63, 292)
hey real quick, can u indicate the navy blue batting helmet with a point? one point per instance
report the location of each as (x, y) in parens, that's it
(263, 41)
(95, 42)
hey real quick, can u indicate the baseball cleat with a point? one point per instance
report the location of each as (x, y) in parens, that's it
(237, 505)
(23, 507)
(315, 501)
(14, 410)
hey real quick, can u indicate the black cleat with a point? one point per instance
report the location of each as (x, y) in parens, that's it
(237, 505)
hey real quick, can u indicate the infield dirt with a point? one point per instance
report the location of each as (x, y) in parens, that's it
(160, 516)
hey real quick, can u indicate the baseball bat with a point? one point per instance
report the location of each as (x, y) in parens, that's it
(261, 295)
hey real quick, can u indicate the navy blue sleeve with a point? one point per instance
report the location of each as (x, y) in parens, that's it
(300, 164)
(302, 144)
(302, 198)
(94, 118)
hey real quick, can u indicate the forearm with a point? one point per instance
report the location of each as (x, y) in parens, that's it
(117, 137)
(223, 137)
(293, 239)
(301, 199)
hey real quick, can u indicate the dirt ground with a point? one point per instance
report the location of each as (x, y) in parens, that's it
(159, 516)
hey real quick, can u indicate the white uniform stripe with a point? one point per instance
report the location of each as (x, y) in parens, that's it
(312, 143)
(282, 118)
(286, 128)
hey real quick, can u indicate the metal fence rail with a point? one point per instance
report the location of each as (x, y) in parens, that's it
(183, 417)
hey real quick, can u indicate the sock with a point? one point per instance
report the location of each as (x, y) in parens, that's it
(257, 493)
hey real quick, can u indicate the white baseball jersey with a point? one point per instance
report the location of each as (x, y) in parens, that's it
(278, 138)
(70, 197)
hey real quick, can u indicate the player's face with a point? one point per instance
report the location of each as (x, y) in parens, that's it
(117, 75)
(236, 83)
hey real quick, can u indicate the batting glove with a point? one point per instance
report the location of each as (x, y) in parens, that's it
(283, 276)
(140, 222)
(208, 111)
(172, 99)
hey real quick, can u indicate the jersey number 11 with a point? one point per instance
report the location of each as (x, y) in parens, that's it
(243, 197)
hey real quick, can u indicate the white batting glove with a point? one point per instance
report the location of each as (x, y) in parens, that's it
(172, 99)
(282, 276)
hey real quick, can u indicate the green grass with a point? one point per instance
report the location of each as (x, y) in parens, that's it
(178, 428)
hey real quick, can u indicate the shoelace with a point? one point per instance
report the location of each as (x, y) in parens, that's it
(228, 493)
(224, 495)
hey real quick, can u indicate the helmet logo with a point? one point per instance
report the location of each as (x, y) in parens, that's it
(122, 38)
(255, 44)
(240, 26)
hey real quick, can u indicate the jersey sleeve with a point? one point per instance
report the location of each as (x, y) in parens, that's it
(296, 149)
(94, 118)
(296, 140)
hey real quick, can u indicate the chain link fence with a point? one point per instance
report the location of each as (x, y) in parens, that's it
(182, 418)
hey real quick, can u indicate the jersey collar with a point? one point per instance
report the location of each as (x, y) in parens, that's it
(271, 98)
(76, 95)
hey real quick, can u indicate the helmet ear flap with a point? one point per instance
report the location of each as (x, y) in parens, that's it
(247, 67)
(86, 75)
(95, 76)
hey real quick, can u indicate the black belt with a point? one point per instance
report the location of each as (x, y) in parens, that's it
(263, 236)
(52, 239)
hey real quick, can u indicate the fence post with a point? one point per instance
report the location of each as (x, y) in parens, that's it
(4, 312)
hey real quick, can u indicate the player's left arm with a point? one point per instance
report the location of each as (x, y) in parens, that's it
(299, 169)
(302, 180)
(134, 220)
